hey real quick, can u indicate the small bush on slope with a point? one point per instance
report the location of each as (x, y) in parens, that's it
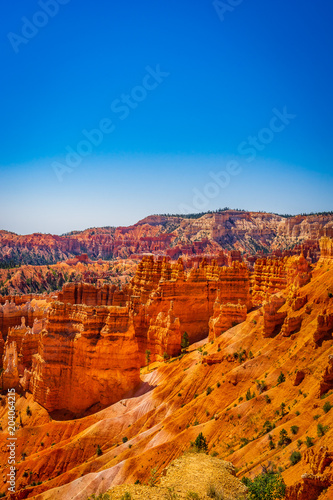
(295, 457)
(200, 443)
(101, 496)
(266, 486)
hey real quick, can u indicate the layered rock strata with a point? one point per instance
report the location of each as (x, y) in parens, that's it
(87, 355)
(170, 235)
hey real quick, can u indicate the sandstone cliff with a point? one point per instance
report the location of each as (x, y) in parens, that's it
(170, 235)
(87, 355)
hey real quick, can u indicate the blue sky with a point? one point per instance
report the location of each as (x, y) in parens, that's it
(194, 89)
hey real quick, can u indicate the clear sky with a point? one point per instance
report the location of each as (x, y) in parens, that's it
(195, 105)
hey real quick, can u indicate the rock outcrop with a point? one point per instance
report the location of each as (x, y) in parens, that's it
(319, 479)
(273, 318)
(326, 382)
(324, 328)
(269, 276)
(26, 341)
(326, 248)
(157, 283)
(225, 316)
(11, 315)
(10, 376)
(90, 295)
(291, 324)
(272, 275)
(164, 335)
(84, 347)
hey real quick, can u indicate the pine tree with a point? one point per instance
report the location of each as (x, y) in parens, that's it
(185, 342)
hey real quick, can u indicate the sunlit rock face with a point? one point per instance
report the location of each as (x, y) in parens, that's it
(86, 355)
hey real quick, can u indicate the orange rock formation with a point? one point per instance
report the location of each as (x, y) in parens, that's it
(230, 393)
(171, 235)
(87, 355)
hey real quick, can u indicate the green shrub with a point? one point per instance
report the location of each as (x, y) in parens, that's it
(284, 438)
(327, 406)
(294, 429)
(268, 426)
(209, 390)
(243, 442)
(99, 450)
(309, 441)
(295, 457)
(200, 443)
(321, 430)
(185, 342)
(125, 439)
(281, 378)
(283, 407)
(266, 486)
(249, 395)
(271, 442)
(148, 353)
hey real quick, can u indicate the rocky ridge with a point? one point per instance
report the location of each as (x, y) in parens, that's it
(172, 236)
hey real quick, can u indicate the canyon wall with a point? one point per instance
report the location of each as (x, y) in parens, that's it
(86, 355)
(193, 294)
(11, 314)
(96, 337)
(172, 236)
(271, 275)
